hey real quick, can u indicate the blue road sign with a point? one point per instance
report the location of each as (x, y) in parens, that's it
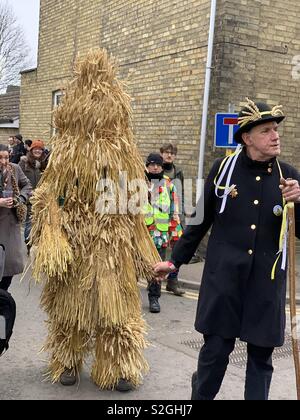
(225, 126)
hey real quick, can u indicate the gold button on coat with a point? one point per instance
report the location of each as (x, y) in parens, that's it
(270, 170)
(253, 227)
(256, 202)
(258, 178)
(250, 252)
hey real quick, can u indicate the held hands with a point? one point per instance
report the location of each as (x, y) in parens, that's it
(7, 203)
(290, 190)
(162, 269)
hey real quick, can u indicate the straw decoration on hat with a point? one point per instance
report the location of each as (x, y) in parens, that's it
(252, 113)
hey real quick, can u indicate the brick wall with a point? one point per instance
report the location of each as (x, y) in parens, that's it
(67, 27)
(254, 48)
(5, 133)
(161, 47)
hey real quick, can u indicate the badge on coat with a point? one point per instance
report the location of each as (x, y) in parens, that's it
(277, 210)
(234, 193)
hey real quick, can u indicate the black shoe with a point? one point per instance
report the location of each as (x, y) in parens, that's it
(154, 305)
(173, 286)
(124, 386)
(195, 259)
(68, 377)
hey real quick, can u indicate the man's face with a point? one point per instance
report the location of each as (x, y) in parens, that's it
(11, 141)
(154, 168)
(168, 156)
(263, 141)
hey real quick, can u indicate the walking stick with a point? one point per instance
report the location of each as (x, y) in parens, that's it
(292, 288)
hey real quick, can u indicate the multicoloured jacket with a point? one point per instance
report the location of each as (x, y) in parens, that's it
(161, 213)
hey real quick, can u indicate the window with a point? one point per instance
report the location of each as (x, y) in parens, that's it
(56, 98)
(57, 95)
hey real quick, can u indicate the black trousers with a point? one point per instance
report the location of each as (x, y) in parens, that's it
(154, 288)
(5, 282)
(213, 362)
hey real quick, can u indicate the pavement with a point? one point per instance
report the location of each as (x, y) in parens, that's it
(172, 356)
(172, 353)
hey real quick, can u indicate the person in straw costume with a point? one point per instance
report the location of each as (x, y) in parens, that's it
(91, 259)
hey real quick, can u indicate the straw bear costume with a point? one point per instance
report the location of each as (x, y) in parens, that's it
(92, 260)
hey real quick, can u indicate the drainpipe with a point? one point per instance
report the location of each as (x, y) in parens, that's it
(206, 94)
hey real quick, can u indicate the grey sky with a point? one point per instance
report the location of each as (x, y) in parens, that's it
(27, 13)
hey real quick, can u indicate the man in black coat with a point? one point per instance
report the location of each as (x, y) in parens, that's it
(18, 150)
(243, 288)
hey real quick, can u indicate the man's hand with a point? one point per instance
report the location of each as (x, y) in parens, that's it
(162, 269)
(290, 190)
(7, 203)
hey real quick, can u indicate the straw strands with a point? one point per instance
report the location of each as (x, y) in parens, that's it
(91, 261)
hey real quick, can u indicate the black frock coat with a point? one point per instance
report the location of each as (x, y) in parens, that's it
(237, 296)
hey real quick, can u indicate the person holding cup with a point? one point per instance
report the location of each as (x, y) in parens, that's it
(15, 188)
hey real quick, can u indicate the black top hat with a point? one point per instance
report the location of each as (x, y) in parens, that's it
(154, 158)
(256, 113)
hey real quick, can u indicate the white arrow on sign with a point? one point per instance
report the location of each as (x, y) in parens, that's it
(231, 122)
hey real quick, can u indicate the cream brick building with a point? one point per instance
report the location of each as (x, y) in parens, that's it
(9, 113)
(161, 47)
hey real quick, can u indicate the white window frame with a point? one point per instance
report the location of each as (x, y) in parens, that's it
(56, 98)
